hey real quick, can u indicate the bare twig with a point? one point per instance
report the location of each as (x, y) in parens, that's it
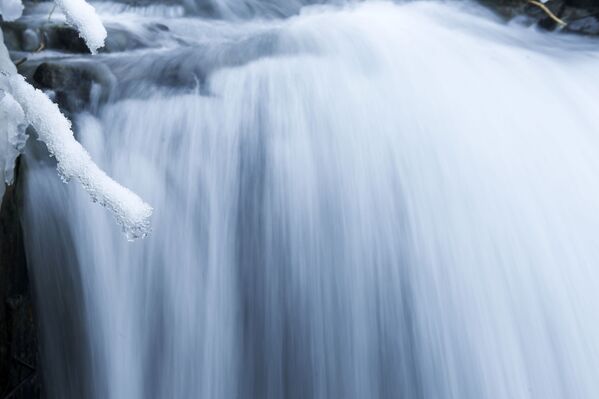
(51, 11)
(42, 42)
(37, 50)
(23, 363)
(547, 11)
(20, 385)
(23, 381)
(20, 61)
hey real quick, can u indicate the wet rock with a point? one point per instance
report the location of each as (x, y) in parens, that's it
(12, 38)
(31, 40)
(586, 25)
(555, 6)
(538, 16)
(161, 27)
(28, 37)
(120, 40)
(582, 3)
(65, 38)
(76, 85)
(19, 359)
(580, 16)
(21, 37)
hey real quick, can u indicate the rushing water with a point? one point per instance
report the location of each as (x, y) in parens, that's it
(368, 201)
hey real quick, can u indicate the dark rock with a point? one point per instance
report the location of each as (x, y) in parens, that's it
(534, 12)
(27, 37)
(121, 40)
(31, 40)
(161, 27)
(582, 3)
(586, 25)
(65, 38)
(22, 37)
(570, 14)
(580, 16)
(19, 355)
(12, 38)
(76, 85)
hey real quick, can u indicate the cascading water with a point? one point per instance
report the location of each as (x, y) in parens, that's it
(367, 201)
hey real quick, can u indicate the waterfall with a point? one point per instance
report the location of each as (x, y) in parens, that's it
(374, 200)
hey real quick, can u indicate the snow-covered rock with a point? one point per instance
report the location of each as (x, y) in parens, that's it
(11, 9)
(83, 16)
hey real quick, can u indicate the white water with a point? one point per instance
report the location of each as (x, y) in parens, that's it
(377, 201)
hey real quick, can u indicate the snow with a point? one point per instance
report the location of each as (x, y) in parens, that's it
(78, 13)
(11, 9)
(83, 17)
(21, 104)
(12, 136)
(12, 122)
(54, 130)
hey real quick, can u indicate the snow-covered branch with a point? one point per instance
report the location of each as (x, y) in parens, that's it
(21, 105)
(12, 137)
(12, 121)
(74, 161)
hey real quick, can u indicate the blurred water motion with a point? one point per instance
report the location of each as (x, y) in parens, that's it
(369, 201)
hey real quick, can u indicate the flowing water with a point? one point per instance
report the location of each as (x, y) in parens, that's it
(370, 200)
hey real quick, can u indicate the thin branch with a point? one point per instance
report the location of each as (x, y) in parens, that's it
(51, 11)
(547, 11)
(13, 391)
(39, 48)
(20, 61)
(42, 42)
(23, 363)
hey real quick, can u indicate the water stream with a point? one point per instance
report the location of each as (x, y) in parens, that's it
(370, 200)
